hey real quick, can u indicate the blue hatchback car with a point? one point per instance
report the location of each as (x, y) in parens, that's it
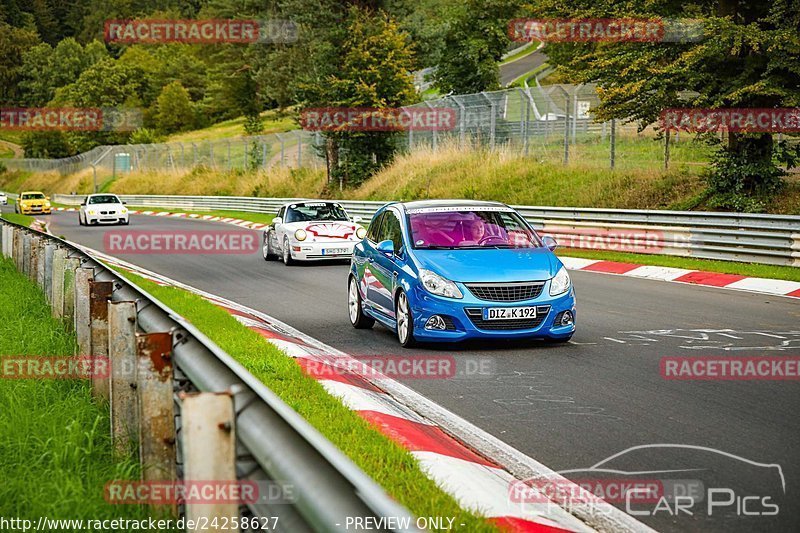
(450, 270)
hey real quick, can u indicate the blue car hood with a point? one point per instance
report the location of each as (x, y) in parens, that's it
(490, 265)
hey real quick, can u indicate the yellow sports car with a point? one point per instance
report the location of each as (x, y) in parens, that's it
(32, 203)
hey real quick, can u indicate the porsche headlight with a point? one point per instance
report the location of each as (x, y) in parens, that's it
(361, 233)
(436, 284)
(300, 235)
(560, 282)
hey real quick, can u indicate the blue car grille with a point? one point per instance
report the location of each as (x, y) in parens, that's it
(475, 314)
(506, 292)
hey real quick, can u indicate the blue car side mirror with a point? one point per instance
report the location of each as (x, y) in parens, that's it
(386, 247)
(549, 242)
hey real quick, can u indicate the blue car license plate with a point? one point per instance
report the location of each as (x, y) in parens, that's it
(509, 313)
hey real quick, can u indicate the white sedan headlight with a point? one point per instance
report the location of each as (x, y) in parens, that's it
(124, 211)
(560, 282)
(300, 235)
(91, 211)
(436, 284)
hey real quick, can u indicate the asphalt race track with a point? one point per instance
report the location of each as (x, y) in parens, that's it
(572, 406)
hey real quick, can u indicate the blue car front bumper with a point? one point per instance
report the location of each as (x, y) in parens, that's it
(464, 317)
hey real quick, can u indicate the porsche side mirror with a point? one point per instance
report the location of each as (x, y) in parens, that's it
(277, 220)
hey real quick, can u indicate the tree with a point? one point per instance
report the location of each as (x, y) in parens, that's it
(749, 58)
(13, 44)
(174, 109)
(476, 39)
(374, 71)
(46, 69)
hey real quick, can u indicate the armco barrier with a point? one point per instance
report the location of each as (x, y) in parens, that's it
(756, 238)
(240, 430)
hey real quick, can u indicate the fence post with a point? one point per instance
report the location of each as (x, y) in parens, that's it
(49, 256)
(40, 270)
(33, 271)
(26, 254)
(566, 128)
(99, 295)
(299, 149)
(83, 320)
(70, 266)
(156, 410)
(57, 298)
(122, 357)
(666, 148)
(613, 141)
(208, 429)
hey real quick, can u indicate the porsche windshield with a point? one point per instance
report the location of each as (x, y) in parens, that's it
(314, 211)
(448, 228)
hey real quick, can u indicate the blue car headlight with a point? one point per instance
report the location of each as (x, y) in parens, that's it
(560, 282)
(436, 284)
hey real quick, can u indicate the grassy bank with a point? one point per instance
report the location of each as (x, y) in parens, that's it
(390, 465)
(504, 174)
(23, 220)
(55, 449)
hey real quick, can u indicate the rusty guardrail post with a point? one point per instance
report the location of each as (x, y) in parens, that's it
(40, 263)
(57, 296)
(122, 355)
(49, 254)
(16, 248)
(70, 266)
(33, 270)
(83, 320)
(99, 295)
(207, 425)
(156, 406)
(26, 254)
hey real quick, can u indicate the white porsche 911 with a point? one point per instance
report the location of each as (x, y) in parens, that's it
(311, 231)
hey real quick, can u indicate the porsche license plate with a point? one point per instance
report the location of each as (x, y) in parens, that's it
(509, 313)
(334, 251)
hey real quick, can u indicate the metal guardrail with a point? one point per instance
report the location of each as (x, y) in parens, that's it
(756, 238)
(275, 444)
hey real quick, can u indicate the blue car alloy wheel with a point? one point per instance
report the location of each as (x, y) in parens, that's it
(452, 270)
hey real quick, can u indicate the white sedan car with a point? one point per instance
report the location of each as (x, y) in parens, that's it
(3, 198)
(311, 231)
(103, 209)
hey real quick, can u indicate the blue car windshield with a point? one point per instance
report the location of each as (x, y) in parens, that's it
(469, 228)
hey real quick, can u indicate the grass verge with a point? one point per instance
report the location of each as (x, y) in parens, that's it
(708, 265)
(55, 449)
(260, 218)
(386, 462)
(23, 220)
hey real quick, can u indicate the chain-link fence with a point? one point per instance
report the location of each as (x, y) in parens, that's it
(551, 123)
(290, 149)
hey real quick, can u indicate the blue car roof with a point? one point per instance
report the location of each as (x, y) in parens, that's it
(419, 204)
